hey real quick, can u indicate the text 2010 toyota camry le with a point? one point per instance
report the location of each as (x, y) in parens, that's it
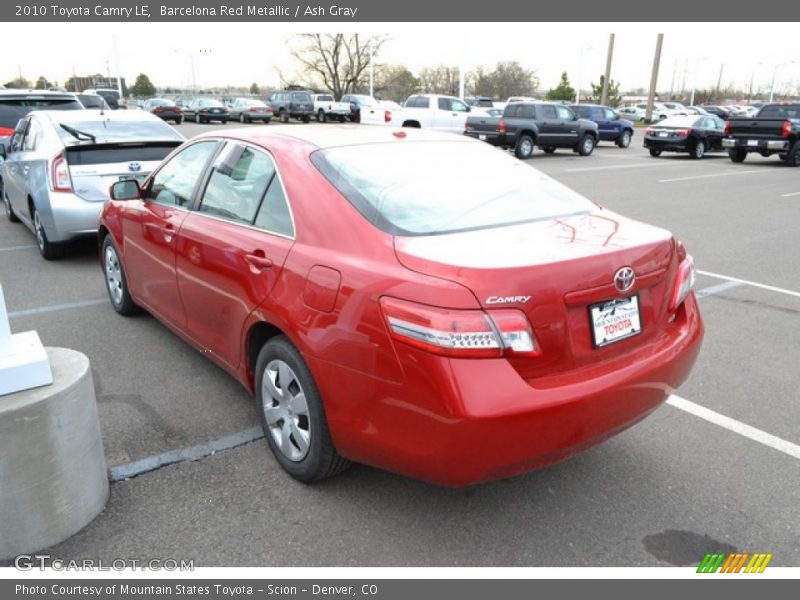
(415, 301)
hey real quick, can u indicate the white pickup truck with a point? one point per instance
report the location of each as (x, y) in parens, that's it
(431, 111)
(325, 107)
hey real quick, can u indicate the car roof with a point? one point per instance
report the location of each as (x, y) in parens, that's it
(330, 136)
(77, 116)
(6, 93)
(679, 121)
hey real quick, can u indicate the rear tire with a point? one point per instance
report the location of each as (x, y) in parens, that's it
(586, 145)
(47, 249)
(293, 415)
(242, 118)
(698, 150)
(179, 120)
(116, 281)
(197, 119)
(283, 116)
(737, 155)
(793, 157)
(321, 116)
(655, 152)
(524, 147)
(306, 118)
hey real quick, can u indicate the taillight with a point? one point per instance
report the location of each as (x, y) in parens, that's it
(786, 131)
(648, 131)
(59, 174)
(684, 283)
(254, 109)
(501, 126)
(387, 116)
(727, 130)
(682, 132)
(6, 131)
(460, 333)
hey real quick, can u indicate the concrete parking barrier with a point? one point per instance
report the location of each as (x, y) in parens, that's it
(53, 478)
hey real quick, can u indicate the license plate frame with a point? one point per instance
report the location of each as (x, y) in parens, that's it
(752, 142)
(482, 137)
(604, 314)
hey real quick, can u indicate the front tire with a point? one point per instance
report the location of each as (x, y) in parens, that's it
(10, 214)
(655, 152)
(698, 150)
(179, 120)
(306, 118)
(586, 146)
(197, 119)
(242, 118)
(625, 139)
(292, 414)
(283, 116)
(116, 281)
(524, 147)
(47, 249)
(737, 155)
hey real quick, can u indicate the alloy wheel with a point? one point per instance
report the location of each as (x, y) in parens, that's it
(286, 410)
(37, 226)
(113, 275)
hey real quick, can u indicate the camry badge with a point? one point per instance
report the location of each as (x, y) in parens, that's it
(507, 299)
(624, 278)
(134, 167)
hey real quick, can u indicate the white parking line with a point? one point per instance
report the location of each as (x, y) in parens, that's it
(789, 195)
(763, 286)
(726, 174)
(636, 166)
(10, 248)
(757, 435)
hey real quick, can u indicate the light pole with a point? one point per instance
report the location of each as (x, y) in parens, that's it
(774, 75)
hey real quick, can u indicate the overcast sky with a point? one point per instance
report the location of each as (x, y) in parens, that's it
(241, 53)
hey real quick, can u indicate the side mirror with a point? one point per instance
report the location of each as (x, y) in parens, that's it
(127, 189)
(469, 108)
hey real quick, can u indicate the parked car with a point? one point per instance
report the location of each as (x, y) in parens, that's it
(365, 109)
(633, 113)
(325, 107)
(774, 130)
(525, 125)
(15, 104)
(247, 110)
(165, 109)
(59, 165)
(93, 101)
(205, 110)
(717, 111)
(676, 108)
(432, 111)
(693, 135)
(292, 104)
(697, 110)
(611, 127)
(482, 101)
(112, 96)
(367, 287)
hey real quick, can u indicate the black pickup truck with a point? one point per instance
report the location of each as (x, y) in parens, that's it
(774, 130)
(525, 125)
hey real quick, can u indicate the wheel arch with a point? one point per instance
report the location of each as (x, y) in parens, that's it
(258, 334)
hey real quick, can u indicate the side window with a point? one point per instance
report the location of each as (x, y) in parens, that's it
(32, 136)
(237, 184)
(547, 111)
(510, 110)
(458, 106)
(174, 184)
(444, 103)
(525, 111)
(609, 114)
(274, 215)
(564, 113)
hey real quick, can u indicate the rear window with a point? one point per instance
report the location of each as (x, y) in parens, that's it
(13, 109)
(427, 188)
(301, 97)
(780, 111)
(99, 155)
(110, 130)
(324, 98)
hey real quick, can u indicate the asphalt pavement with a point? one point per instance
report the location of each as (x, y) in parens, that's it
(661, 494)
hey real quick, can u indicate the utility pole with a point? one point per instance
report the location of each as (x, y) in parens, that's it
(604, 97)
(648, 116)
(719, 80)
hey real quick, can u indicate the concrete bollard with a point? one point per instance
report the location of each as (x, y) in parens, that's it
(53, 478)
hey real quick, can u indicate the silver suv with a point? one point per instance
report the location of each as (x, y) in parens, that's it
(59, 165)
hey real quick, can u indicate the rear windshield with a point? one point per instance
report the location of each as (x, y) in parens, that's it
(162, 102)
(301, 97)
(209, 103)
(780, 111)
(99, 155)
(432, 187)
(109, 130)
(13, 109)
(324, 98)
(92, 101)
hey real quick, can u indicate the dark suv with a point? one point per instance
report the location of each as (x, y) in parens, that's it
(611, 127)
(291, 103)
(15, 104)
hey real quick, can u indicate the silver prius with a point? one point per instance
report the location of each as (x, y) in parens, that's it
(57, 168)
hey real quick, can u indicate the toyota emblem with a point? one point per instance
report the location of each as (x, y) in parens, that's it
(134, 167)
(624, 278)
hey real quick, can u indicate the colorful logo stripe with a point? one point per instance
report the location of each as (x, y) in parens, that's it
(734, 563)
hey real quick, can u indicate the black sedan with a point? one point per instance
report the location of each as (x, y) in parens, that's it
(164, 108)
(205, 110)
(692, 134)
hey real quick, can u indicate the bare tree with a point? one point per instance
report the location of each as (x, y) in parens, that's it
(339, 62)
(395, 82)
(508, 78)
(442, 79)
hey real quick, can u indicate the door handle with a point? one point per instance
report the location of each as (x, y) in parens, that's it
(169, 232)
(258, 260)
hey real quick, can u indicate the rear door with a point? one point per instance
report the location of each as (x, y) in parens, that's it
(549, 128)
(150, 229)
(231, 249)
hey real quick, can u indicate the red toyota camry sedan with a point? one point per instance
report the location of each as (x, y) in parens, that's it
(416, 301)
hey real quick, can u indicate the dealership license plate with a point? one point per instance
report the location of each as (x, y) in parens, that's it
(615, 320)
(662, 134)
(752, 142)
(482, 136)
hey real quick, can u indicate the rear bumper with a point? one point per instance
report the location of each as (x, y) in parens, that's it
(457, 422)
(493, 138)
(756, 144)
(666, 145)
(69, 216)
